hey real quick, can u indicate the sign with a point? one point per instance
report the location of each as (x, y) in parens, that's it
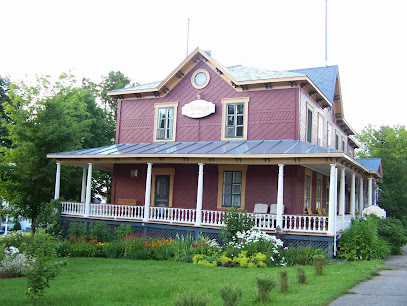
(198, 109)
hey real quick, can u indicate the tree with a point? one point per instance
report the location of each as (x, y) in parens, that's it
(389, 144)
(4, 88)
(47, 118)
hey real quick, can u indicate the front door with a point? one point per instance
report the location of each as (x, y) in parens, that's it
(162, 191)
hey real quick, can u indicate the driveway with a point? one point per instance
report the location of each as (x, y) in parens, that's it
(389, 288)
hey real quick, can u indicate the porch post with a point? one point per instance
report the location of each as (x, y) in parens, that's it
(375, 194)
(361, 200)
(147, 198)
(88, 190)
(199, 196)
(83, 190)
(332, 203)
(352, 194)
(342, 197)
(57, 181)
(280, 196)
(369, 191)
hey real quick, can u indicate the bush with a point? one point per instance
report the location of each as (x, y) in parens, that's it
(114, 249)
(361, 241)
(301, 277)
(302, 255)
(100, 231)
(50, 218)
(319, 263)
(235, 222)
(14, 263)
(264, 286)
(123, 230)
(77, 229)
(16, 225)
(393, 231)
(230, 295)
(283, 281)
(191, 298)
(16, 239)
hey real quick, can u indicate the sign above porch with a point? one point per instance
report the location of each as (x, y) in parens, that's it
(198, 109)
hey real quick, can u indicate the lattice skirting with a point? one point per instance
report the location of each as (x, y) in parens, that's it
(168, 230)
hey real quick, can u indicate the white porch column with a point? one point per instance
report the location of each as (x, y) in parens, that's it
(369, 191)
(332, 203)
(147, 198)
(352, 194)
(83, 190)
(280, 196)
(199, 195)
(88, 190)
(57, 181)
(361, 200)
(342, 197)
(375, 194)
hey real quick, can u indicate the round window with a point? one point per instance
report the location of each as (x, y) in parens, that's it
(200, 78)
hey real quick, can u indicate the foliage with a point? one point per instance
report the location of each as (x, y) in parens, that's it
(123, 230)
(16, 225)
(76, 229)
(302, 255)
(191, 298)
(100, 231)
(114, 249)
(50, 218)
(361, 241)
(393, 231)
(389, 144)
(301, 276)
(319, 262)
(283, 281)
(230, 295)
(4, 118)
(44, 265)
(85, 246)
(14, 263)
(16, 239)
(264, 286)
(236, 222)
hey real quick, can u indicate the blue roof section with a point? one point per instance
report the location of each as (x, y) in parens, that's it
(139, 87)
(249, 147)
(373, 164)
(323, 77)
(244, 73)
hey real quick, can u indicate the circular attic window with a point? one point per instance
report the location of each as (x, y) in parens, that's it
(200, 78)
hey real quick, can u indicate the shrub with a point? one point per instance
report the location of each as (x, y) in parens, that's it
(77, 229)
(16, 225)
(393, 231)
(302, 255)
(14, 263)
(100, 231)
(123, 230)
(301, 277)
(319, 262)
(361, 241)
(83, 247)
(230, 295)
(17, 239)
(264, 286)
(114, 249)
(235, 222)
(283, 281)
(191, 298)
(50, 218)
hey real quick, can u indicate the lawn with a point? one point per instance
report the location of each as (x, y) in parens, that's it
(101, 281)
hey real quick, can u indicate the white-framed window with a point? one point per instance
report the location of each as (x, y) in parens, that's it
(320, 129)
(336, 140)
(309, 124)
(329, 135)
(307, 191)
(319, 192)
(234, 119)
(165, 118)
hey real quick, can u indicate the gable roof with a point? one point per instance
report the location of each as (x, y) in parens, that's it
(373, 164)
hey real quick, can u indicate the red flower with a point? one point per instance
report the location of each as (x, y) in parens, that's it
(203, 243)
(195, 245)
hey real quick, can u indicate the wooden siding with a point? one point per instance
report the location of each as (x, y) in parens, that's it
(272, 113)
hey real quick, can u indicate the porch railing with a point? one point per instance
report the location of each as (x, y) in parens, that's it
(291, 223)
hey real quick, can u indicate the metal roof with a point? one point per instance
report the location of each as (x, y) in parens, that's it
(373, 164)
(244, 73)
(248, 147)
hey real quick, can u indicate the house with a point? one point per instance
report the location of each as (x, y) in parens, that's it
(209, 137)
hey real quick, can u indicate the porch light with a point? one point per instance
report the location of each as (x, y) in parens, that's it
(133, 173)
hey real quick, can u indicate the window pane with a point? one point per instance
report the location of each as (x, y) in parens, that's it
(240, 108)
(236, 189)
(227, 200)
(227, 177)
(161, 124)
(160, 134)
(237, 177)
(231, 121)
(236, 200)
(239, 131)
(239, 120)
(231, 109)
(230, 132)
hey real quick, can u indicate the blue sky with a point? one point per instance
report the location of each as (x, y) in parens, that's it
(146, 40)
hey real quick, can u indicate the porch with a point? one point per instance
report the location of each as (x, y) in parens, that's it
(295, 224)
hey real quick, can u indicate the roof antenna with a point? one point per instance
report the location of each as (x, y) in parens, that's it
(187, 37)
(326, 33)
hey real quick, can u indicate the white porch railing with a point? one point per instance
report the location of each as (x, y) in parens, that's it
(291, 223)
(73, 208)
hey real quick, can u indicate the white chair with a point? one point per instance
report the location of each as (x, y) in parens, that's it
(260, 208)
(273, 209)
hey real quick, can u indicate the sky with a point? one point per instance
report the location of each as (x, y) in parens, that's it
(147, 40)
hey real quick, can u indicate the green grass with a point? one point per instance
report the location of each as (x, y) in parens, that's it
(101, 281)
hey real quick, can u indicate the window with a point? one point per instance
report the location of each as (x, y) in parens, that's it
(234, 121)
(343, 144)
(309, 124)
(231, 186)
(336, 140)
(200, 78)
(329, 135)
(319, 192)
(307, 191)
(165, 121)
(320, 129)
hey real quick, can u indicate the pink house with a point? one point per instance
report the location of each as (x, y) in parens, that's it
(274, 143)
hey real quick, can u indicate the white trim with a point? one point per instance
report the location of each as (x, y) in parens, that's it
(147, 197)
(57, 181)
(280, 196)
(199, 195)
